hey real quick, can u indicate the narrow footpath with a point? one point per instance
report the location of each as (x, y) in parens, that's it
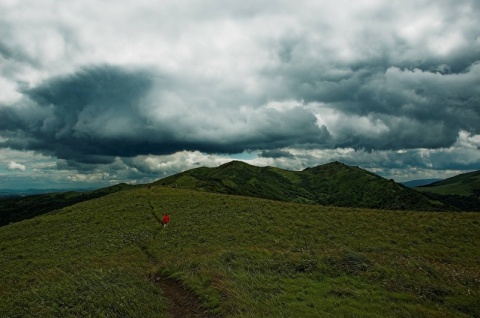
(181, 301)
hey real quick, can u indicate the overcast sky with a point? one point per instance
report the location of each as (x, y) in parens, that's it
(94, 93)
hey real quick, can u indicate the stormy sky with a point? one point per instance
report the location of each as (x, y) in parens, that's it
(93, 93)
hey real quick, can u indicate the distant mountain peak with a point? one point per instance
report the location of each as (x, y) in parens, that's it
(334, 183)
(328, 165)
(234, 163)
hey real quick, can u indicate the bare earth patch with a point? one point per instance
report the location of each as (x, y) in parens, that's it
(181, 302)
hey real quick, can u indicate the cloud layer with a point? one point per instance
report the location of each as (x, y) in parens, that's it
(103, 87)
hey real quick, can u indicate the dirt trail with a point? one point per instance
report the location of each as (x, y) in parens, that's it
(152, 210)
(181, 301)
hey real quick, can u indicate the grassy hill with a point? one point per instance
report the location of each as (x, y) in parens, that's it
(331, 184)
(20, 208)
(461, 191)
(243, 256)
(464, 184)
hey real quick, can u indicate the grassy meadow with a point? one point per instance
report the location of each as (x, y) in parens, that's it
(244, 257)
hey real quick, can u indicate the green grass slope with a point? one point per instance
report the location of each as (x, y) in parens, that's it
(245, 257)
(461, 191)
(464, 184)
(18, 209)
(331, 184)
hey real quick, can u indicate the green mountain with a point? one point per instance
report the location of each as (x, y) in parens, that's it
(333, 184)
(237, 256)
(461, 191)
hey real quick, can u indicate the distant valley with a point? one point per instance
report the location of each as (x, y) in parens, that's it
(419, 182)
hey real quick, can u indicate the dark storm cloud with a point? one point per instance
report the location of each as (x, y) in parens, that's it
(102, 112)
(415, 72)
(418, 108)
(5, 52)
(275, 153)
(83, 116)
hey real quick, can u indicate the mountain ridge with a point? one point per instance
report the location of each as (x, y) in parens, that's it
(333, 184)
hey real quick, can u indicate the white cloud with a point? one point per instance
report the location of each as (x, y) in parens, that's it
(15, 166)
(162, 166)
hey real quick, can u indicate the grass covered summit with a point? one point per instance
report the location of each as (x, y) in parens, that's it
(331, 184)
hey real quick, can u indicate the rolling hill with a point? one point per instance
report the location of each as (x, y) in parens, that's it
(461, 191)
(240, 256)
(465, 184)
(333, 184)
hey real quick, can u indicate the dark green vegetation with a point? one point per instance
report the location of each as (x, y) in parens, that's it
(461, 192)
(331, 184)
(20, 208)
(244, 256)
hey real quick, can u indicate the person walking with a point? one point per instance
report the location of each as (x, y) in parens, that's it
(166, 219)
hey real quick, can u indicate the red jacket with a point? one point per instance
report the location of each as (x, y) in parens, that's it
(166, 219)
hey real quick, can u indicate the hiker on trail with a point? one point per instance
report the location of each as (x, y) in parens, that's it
(166, 219)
